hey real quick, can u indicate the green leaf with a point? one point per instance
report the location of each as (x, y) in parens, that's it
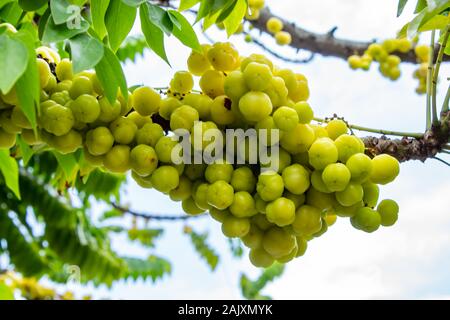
(131, 48)
(111, 76)
(401, 6)
(25, 149)
(233, 21)
(252, 289)
(13, 61)
(203, 249)
(61, 13)
(56, 33)
(119, 20)
(11, 13)
(32, 5)
(153, 34)
(209, 20)
(4, 2)
(226, 12)
(98, 11)
(424, 16)
(10, 171)
(436, 23)
(86, 52)
(204, 10)
(187, 4)
(27, 87)
(6, 292)
(159, 17)
(68, 163)
(185, 33)
(154, 267)
(134, 3)
(421, 4)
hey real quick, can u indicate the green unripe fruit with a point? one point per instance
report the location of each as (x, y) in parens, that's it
(64, 70)
(233, 227)
(289, 257)
(281, 161)
(278, 242)
(304, 111)
(85, 108)
(257, 76)
(183, 117)
(139, 120)
(317, 182)
(99, 141)
(125, 105)
(190, 207)
(277, 91)
(260, 204)
(149, 134)
(255, 106)
(320, 200)
(220, 195)
(283, 38)
(109, 112)
(366, 219)
(296, 179)
(200, 195)
(351, 195)
(212, 83)
(7, 124)
(61, 97)
(68, 143)
(219, 171)
(297, 199)
(58, 120)
(164, 148)
(146, 101)
(385, 169)
(360, 166)
(143, 160)
(223, 56)
(221, 111)
(268, 124)
(167, 106)
(80, 85)
(270, 186)
(302, 245)
(143, 182)
(95, 161)
(322, 153)
(253, 239)
(183, 191)
(198, 63)
(285, 118)
(243, 205)
(243, 179)
(307, 220)
(235, 86)
(281, 212)
(371, 194)
(200, 102)
(195, 171)
(118, 159)
(218, 215)
(336, 176)
(124, 130)
(260, 258)
(31, 138)
(336, 128)
(44, 72)
(274, 25)
(298, 140)
(7, 140)
(165, 179)
(347, 146)
(182, 82)
(388, 210)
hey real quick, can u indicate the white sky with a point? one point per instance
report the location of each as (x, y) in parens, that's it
(410, 260)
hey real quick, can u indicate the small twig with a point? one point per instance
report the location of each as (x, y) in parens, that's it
(440, 160)
(154, 216)
(436, 74)
(429, 81)
(446, 101)
(380, 131)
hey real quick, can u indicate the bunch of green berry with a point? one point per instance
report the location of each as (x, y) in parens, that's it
(322, 171)
(254, 11)
(389, 63)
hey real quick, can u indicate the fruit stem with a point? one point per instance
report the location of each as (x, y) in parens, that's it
(429, 76)
(446, 101)
(436, 73)
(380, 131)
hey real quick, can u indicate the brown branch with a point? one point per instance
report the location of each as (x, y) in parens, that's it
(324, 44)
(153, 216)
(406, 148)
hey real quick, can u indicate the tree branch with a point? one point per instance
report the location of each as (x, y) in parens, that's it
(324, 44)
(153, 216)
